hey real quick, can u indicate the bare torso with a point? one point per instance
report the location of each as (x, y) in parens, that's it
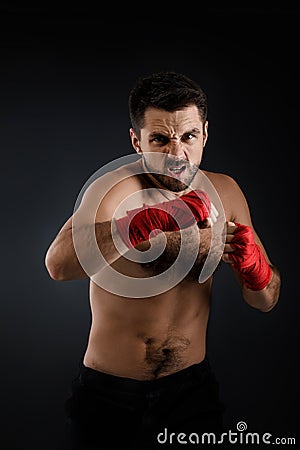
(147, 338)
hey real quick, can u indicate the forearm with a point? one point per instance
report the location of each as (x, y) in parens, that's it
(266, 298)
(80, 252)
(185, 256)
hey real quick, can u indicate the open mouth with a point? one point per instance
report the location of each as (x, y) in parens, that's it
(176, 170)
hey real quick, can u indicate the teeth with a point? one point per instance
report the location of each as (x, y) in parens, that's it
(176, 169)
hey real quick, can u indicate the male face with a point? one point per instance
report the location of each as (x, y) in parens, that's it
(171, 144)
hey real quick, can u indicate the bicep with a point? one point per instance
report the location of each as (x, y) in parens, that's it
(240, 211)
(67, 225)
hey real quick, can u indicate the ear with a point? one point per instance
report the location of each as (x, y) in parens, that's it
(135, 141)
(205, 133)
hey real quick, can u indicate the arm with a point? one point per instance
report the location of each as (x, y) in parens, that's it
(75, 254)
(62, 261)
(258, 277)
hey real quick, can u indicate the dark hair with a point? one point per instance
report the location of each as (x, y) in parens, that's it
(169, 91)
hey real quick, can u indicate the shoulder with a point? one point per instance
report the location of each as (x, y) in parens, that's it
(221, 180)
(232, 196)
(104, 194)
(224, 184)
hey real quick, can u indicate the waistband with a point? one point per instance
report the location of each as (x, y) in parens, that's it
(96, 378)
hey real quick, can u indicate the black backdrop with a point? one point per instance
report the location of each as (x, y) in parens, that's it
(65, 78)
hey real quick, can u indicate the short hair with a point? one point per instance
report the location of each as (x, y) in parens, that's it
(167, 90)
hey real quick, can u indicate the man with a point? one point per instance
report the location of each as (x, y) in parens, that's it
(149, 235)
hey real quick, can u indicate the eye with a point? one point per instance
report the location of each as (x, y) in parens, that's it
(188, 136)
(160, 139)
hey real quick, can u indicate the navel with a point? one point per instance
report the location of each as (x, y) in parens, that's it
(165, 357)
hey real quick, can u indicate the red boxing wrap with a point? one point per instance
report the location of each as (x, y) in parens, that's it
(248, 259)
(171, 215)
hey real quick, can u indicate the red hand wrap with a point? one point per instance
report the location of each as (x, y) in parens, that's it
(172, 215)
(248, 259)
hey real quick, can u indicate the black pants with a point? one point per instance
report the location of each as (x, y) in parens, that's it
(106, 411)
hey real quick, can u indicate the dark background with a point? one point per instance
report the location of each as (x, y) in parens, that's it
(65, 79)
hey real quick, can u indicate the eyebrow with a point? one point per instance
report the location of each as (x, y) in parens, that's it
(160, 133)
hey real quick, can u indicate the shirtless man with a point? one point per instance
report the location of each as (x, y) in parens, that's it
(145, 373)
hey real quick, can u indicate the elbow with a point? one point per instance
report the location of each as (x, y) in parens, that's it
(271, 298)
(270, 305)
(267, 308)
(264, 305)
(55, 274)
(264, 300)
(54, 268)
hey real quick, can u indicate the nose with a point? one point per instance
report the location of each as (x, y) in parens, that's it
(176, 148)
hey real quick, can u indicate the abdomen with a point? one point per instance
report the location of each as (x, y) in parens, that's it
(150, 337)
